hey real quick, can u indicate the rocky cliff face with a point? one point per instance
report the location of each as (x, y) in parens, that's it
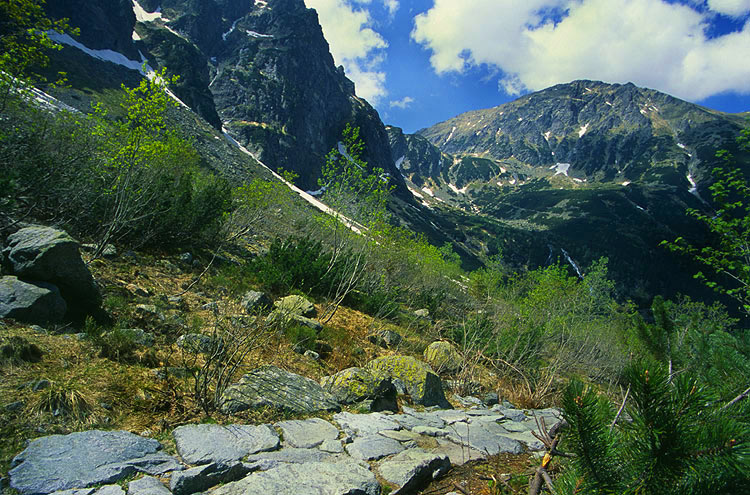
(260, 69)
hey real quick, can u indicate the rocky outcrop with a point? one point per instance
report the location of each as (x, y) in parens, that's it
(273, 387)
(420, 381)
(50, 255)
(251, 459)
(254, 302)
(295, 306)
(36, 303)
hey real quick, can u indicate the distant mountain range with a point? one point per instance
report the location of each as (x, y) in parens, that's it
(573, 172)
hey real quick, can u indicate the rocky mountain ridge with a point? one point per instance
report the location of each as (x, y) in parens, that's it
(261, 71)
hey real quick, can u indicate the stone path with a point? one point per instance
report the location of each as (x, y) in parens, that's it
(310, 456)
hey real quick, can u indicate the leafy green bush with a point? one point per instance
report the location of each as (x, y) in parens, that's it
(297, 263)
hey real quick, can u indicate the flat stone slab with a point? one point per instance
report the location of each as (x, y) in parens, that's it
(458, 454)
(413, 419)
(148, 485)
(344, 478)
(430, 431)
(374, 447)
(84, 459)
(332, 447)
(412, 469)
(309, 433)
(400, 435)
(289, 455)
(201, 478)
(483, 437)
(269, 386)
(204, 444)
(365, 424)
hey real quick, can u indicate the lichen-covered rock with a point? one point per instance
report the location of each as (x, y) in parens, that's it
(424, 386)
(295, 305)
(37, 302)
(269, 386)
(443, 356)
(51, 255)
(351, 385)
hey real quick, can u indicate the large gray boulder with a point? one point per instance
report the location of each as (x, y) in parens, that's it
(38, 303)
(84, 459)
(51, 255)
(269, 386)
(324, 478)
(204, 444)
(412, 469)
(421, 382)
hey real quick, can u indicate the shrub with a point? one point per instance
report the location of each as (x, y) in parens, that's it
(63, 399)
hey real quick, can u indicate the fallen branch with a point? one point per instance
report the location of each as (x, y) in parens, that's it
(734, 401)
(619, 411)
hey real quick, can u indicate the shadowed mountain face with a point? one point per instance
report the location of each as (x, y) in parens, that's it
(574, 172)
(261, 70)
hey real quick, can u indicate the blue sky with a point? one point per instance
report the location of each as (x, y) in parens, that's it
(424, 61)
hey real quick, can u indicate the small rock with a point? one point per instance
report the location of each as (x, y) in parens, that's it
(148, 311)
(255, 302)
(137, 291)
(212, 306)
(312, 355)
(430, 431)
(198, 343)
(386, 338)
(295, 305)
(491, 399)
(373, 447)
(186, 258)
(423, 314)
(110, 490)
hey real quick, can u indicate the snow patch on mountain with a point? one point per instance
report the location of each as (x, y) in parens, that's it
(231, 30)
(450, 135)
(583, 130)
(400, 162)
(457, 190)
(255, 34)
(428, 191)
(561, 168)
(104, 55)
(142, 16)
(415, 193)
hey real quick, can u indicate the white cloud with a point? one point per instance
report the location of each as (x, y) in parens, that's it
(649, 42)
(734, 8)
(354, 44)
(403, 103)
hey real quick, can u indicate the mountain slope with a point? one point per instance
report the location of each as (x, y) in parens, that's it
(574, 172)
